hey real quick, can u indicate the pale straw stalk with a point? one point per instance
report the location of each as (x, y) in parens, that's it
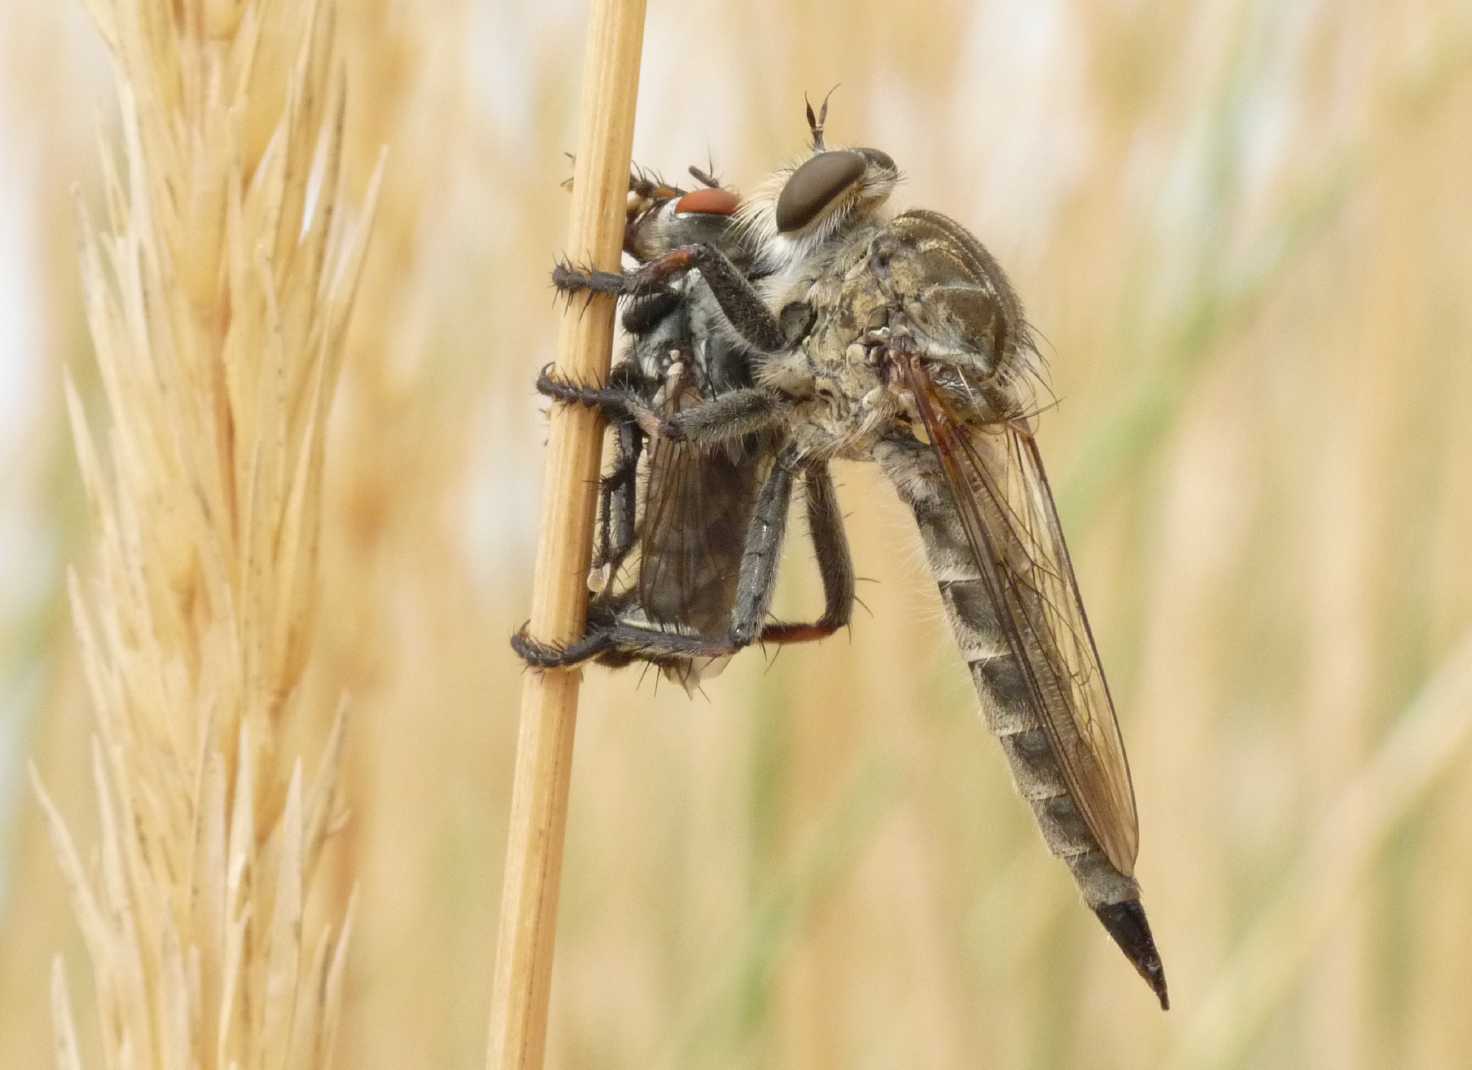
(523, 979)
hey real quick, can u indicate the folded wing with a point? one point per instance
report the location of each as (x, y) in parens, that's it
(1002, 496)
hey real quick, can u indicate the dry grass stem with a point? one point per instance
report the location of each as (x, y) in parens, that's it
(218, 293)
(522, 983)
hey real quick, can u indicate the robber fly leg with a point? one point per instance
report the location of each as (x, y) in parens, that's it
(652, 644)
(835, 566)
(617, 643)
(756, 580)
(620, 404)
(742, 305)
(739, 300)
(728, 416)
(645, 312)
(732, 415)
(540, 655)
(830, 543)
(614, 642)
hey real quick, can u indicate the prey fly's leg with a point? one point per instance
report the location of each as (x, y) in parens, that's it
(621, 402)
(835, 566)
(618, 493)
(643, 184)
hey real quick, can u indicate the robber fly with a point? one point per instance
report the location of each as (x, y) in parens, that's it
(707, 523)
(900, 340)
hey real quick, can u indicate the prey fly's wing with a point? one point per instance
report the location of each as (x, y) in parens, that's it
(1001, 493)
(696, 502)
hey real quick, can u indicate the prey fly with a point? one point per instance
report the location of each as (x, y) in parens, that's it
(703, 524)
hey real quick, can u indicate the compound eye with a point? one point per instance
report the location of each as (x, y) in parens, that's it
(708, 202)
(815, 185)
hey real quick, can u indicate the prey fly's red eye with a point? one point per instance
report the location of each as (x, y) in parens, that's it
(709, 202)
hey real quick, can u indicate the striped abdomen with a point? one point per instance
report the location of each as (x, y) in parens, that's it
(998, 677)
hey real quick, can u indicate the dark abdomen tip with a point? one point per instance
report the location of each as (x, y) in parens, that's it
(1131, 931)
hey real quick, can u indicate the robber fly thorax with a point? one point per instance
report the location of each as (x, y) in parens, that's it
(825, 237)
(813, 246)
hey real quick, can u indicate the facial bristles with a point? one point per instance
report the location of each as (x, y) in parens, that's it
(756, 219)
(773, 249)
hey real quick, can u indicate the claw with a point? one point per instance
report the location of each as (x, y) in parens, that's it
(534, 652)
(551, 384)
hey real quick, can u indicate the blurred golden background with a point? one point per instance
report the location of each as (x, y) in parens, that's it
(1243, 229)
